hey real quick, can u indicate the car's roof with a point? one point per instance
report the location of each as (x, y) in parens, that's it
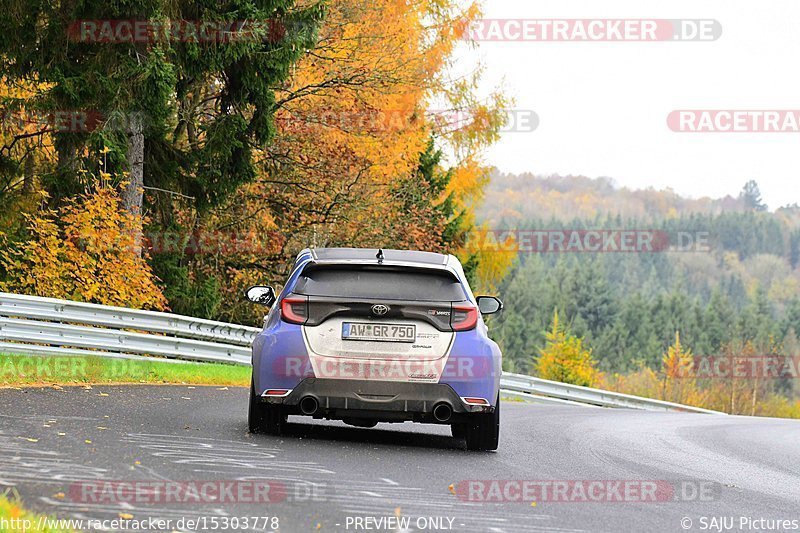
(369, 255)
(391, 258)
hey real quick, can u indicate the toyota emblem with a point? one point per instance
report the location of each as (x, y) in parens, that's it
(380, 309)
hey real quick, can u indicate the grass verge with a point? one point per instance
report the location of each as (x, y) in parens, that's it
(21, 370)
(13, 517)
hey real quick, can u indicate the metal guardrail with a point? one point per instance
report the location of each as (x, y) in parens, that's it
(31, 325)
(46, 326)
(37, 308)
(522, 385)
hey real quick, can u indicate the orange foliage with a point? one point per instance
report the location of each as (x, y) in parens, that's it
(678, 383)
(84, 251)
(352, 124)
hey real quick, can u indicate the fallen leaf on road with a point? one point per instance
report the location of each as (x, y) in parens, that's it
(451, 488)
(61, 434)
(30, 439)
(103, 394)
(87, 441)
(58, 495)
(125, 516)
(101, 427)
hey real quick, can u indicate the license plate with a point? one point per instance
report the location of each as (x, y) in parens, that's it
(370, 331)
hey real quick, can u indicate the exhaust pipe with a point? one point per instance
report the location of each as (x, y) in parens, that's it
(442, 412)
(309, 405)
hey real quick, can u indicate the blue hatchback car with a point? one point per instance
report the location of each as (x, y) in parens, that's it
(367, 336)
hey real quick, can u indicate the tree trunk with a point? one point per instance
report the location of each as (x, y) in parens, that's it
(67, 162)
(134, 190)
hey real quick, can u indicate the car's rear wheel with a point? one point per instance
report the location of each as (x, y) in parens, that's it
(483, 432)
(264, 417)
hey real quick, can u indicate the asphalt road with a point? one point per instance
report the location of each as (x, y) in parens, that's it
(339, 478)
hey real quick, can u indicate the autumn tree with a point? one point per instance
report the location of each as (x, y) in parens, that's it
(22, 149)
(83, 251)
(564, 358)
(677, 382)
(352, 163)
(187, 111)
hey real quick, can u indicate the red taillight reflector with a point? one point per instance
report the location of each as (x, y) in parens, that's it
(463, 317)
(294, 310)
(276, 392)
(476, 401)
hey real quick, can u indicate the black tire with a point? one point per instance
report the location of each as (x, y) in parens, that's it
(483, 433)
(263, 417)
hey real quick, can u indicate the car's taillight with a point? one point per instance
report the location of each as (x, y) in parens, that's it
(294, 310)
(475, 401)
(463, 317)
(277, 392)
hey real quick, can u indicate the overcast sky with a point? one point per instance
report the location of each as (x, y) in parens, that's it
(603, 106)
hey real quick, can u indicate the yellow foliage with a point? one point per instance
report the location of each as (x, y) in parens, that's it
(565, 359)
(11, 508)
(778, 406)
(494, 258)
(677, 367)
(743, 396)
(17, 119)
(643, 382)
(84, 251)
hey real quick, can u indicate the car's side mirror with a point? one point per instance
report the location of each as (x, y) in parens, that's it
(489, 305)
(261, 294)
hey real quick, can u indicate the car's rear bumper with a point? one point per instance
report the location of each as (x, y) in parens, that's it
(377, 400)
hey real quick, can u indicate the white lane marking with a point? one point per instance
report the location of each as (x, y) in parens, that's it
(389, 481)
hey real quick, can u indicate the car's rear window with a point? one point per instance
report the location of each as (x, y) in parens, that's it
(380, 282)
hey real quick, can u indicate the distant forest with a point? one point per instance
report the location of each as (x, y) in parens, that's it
(629, 306)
